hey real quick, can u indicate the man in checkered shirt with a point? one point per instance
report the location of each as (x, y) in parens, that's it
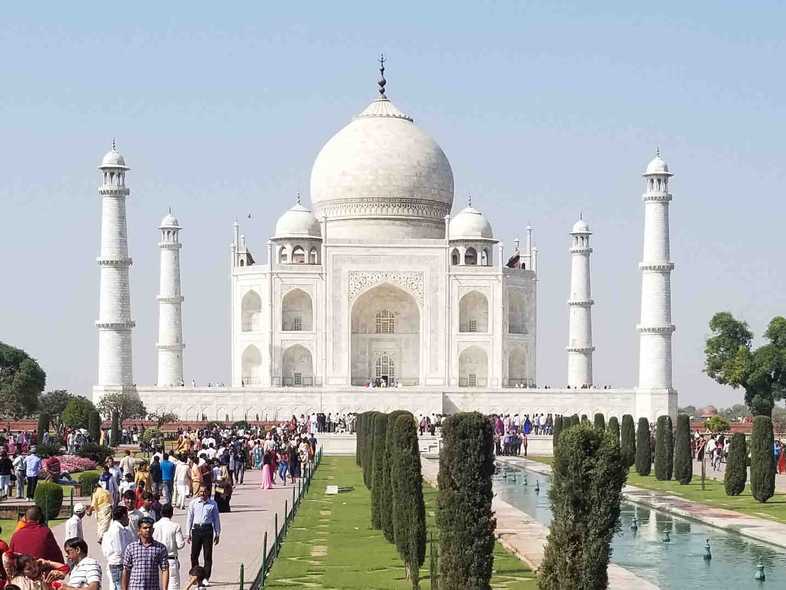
(143, 560)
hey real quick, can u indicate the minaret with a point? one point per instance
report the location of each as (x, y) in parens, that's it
(170, 317)
(580, 305)
(115, 372)
(655, 328)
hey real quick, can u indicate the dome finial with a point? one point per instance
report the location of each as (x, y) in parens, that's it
(298, 198)
(469, 200)
(114, 145)
(170, 210)
(657, 151)
(581, 215)
(382, 80)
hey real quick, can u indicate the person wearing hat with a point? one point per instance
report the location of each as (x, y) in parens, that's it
(73, 526)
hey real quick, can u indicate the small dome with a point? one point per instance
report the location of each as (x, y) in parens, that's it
(657, 166)
(470, 224)
(580, 227)
(169, 220)
(708, 411)
(113, 159)
(298, 222)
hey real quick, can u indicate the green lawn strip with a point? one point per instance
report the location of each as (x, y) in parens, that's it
(713, 495)
(331, 545)
(9, 526)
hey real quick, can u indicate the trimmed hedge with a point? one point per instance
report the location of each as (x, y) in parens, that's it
(584, 419)
(389, 483)
(599, 420)
(377, 469)
(464, 516)
(683, 458)
(762, 459)
(736, 465)
(586, 491)
(643, 451)
(94, 427)
(114, 433)
(664, 449)
(559, 424)
(49, 497)
(96, 452)
(613, 428)
(628, 440)
(88, 482)
(409, 516)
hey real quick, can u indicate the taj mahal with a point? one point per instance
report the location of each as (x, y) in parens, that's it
(379, 292)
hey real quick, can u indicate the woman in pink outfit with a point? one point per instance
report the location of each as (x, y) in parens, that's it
(267, 471)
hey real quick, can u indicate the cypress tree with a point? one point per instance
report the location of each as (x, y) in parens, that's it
(762, 459)
(643, 451)
(586, 491)
(613, 429)
(94, 426)
(558, 426)
(584, 419)
(409, 518)
(683, 459)
(358, 438)
(377, 469)
(628, 440)
(574, 420)
(43, 426)
(664, 449)
(600, 421)
(388, 482)
(464, 516)
(114, 434)
(736, 465)
(368, 454)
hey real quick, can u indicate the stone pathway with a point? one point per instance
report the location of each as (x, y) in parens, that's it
(526, 537)
(780, 480)
(242, 532)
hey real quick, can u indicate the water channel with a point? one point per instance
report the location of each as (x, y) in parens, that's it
(674, 565)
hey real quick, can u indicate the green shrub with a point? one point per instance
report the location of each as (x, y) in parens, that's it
(628, 440)
(664, 449)
(377, 469)
(368, 462)
(358, 437)
(558, 427)
(53, 447)
(762, 459)
(409, 518)
(242, 425)
(96, 452)
(613, 428)
(574, 420)
(643, 451)
(586, 491)
(599, 420)
(584, 419)
(88, 482)
(464, 516)
(43, 426)
(76, 413)
(151, 434)
(683, 459)
(389, 483)
(736, 465)
(717, 424)
(49, 497)
(94, 427)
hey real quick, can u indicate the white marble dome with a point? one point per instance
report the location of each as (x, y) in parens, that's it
(382, 177)
(580, 227)
(169, 220)
(657, 166)
(470, 224)
(113, 159)
(297, 222)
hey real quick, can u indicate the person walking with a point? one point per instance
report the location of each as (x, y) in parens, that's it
(127, 464)
(169, 533)
(6, 469)
(167, 479)
(19, 470)
(101, 504)
(116, 539)
(73, 526)
(203, 524)
(144, 560)
(85, 572)
(155, 475)
(182, 483)
(32, 470)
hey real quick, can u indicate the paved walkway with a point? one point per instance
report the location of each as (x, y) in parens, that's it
(526, 538)
(760, 529)
(780, 480)
(242, 531)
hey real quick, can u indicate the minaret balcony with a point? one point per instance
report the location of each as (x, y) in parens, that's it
(113, 191)
(175, 347)
(658, 266)
(581, 250)
(170, 298)
(656, 329)
(170, 245)
(114, 261)
(581, 349)
(656, 197)
(581, 302)
(127, 325)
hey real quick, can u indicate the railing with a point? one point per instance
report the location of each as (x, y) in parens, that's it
(479, 382)
(268, 557)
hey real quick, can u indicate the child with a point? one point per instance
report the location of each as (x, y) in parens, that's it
(197, 580)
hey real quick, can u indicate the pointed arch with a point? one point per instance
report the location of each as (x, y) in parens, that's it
(473, 367)
(474, 312)
(471, 256)
(297, 367)
(296, 312)
(251, 365)
(251, 312)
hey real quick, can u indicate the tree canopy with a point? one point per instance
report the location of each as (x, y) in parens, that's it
(21, 382)
(77, 412)
(124, 405)
(730, 359)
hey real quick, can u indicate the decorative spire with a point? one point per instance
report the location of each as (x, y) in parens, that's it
(170, 210)
(298, 199)
(469, 200)
(114, 145)
(382, 80)
(657, 151)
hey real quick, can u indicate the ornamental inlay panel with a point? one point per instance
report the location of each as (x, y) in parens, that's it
(410, 281)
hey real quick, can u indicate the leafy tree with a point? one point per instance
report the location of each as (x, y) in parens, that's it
(21, 382)
(736, 465)
(388, 482)
(464, 516)
(717, 424)
(54, 403)
(599, 420)
(762, 459)
(613, 429)
(168, 417)
(125, 405)
(779, 419)
(664, 449)
(94, 426)
(43, 425)
(643, 451)
(730, 359)
(586, 492)
(683, 459)
(77, 412)
(378, 471)
(409, 518)
(628, 440)
(689, 410)
(736, 412)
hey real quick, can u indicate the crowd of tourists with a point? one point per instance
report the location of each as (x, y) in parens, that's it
(714, 448)
(134, 504)
(511, 432)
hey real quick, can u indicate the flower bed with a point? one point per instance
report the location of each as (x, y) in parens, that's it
(74, 464)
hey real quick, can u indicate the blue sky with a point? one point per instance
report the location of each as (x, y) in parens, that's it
(544, 109)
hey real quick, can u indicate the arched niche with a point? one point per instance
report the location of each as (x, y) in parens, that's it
(471, 256)
(296, 312)
(474, 312)
(251, 312)
(251, 366)
(517, 367)
(517, 316)
(297, 367)
(473, 367)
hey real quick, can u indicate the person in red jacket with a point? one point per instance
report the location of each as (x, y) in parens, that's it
(35, 538)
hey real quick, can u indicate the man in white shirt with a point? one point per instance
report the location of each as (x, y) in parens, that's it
(73, 526)
(114, 542)
(168, 532)
(127, 464)
(182, 485)
(85, 571)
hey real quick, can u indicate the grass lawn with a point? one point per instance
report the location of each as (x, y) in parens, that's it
(331, 545)
(713, 495)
